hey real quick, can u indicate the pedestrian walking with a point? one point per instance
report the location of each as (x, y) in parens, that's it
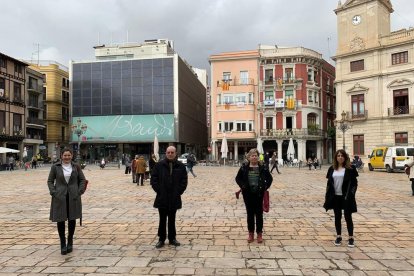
(34, 162)
(103, 163)
(127, 162)
(141, 167)
(134, 169)
(66, 184)
(254, 179)
(11, 163)
(169, 180)
(275, 163)
(191, 161)
(409, 166)
(340, 194)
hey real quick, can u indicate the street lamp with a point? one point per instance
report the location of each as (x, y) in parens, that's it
(79, 129)
(343, 125)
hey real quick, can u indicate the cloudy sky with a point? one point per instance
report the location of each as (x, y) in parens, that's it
(68, 29)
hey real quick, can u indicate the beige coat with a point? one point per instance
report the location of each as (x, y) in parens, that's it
(141, 165)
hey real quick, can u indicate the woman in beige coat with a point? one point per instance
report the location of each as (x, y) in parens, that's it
(411, 175)
(66, 184)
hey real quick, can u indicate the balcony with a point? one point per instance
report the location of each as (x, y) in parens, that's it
(34, 105)
(35, 89)
(401, 111)
(359, 116)
(35, 121)
(234, 82)
(282, 104)
(296, 133)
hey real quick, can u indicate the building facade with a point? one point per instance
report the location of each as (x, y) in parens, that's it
(12, 103)
(35, 109)
(375, 77)
(270, 96)
(56, 107)
(234, 84)
(134, 92)
(296, 101)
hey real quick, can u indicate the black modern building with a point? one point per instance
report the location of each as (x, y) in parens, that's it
(133, 93)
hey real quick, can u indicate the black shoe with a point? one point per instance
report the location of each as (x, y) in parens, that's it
(338, 241)
(175, 242)
(351, 242)
(63, 250)
(160, 244)
(70, 246)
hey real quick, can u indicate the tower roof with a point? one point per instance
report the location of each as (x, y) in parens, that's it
(353, 3)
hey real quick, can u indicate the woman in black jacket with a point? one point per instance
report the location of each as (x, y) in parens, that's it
(254, 179)
(340, 194)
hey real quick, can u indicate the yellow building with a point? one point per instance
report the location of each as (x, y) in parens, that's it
(56, 105)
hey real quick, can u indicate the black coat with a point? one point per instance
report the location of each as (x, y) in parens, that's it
(349, 188)
(169, 188)
(265, 178)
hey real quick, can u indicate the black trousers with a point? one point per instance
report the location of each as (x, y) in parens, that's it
(162, 228)
(412, 185)
(338, 207)
(71, 226)
(275, 166)
(254, 209)
(140, 176)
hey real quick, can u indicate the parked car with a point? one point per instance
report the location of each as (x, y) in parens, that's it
(183, 158)
(390, 158)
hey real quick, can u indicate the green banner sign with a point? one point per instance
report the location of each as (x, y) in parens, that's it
(127, 128)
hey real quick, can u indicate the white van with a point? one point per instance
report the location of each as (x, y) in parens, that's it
(397, 156)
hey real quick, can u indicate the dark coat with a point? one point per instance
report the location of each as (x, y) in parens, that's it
(58, 189)
(349, 188)
(152, 163)
(169, 188)
(265, 178)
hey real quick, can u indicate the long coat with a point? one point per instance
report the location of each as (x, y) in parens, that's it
(58, 189)
(349, 188)
(169, 187)
(141, 165)
(265, 178)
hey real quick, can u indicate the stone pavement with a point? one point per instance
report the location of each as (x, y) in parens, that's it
(120, 225)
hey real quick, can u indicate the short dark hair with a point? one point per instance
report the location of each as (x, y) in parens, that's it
(65, 150)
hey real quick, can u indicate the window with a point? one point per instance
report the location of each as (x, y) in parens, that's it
(269, 123)
(288, 94)
(269, 95)
(17, 92)
(2, 122)
(34, 100)
(65, 114)
(311, 119)
(250, 97)
(244, 77)
(240, 126)
(269, 76)
(358, 106)
(401, 138)
(226, 76)
(399, 58)
(228, 99)
(65, 96)
(241, 98)
(218, 98)
(316, 97)
(288, 74)
(63, 132)
(32, 83)
(357, 65)
(18, 68)
(400, 102)
(17, 124)
(250, 125)
(310, 96)
(2, 87)
(228, 126)
(359, 145)
(3, 62)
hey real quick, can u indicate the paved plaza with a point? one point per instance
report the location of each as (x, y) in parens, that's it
(120, 225)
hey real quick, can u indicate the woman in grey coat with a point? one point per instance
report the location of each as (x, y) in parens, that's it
(66, 184)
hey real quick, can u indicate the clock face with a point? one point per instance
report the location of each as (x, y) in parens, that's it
(356, 19)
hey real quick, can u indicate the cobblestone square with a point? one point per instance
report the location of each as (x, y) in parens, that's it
(120, 225)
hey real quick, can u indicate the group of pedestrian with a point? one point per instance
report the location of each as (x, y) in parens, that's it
(169, 179)
(313, 163)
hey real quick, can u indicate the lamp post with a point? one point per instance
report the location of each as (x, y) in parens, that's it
(343, 125)
(79, 129)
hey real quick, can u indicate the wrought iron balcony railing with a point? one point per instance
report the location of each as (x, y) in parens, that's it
(293, 133)
(401, 110)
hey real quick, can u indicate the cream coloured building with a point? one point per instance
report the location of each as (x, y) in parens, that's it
(374, 77)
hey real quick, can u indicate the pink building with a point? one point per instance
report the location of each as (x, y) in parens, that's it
(273, 94)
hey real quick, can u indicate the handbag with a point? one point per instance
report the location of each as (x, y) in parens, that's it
(266, 201)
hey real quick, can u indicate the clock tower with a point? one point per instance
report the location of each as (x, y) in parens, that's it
(361, 23)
